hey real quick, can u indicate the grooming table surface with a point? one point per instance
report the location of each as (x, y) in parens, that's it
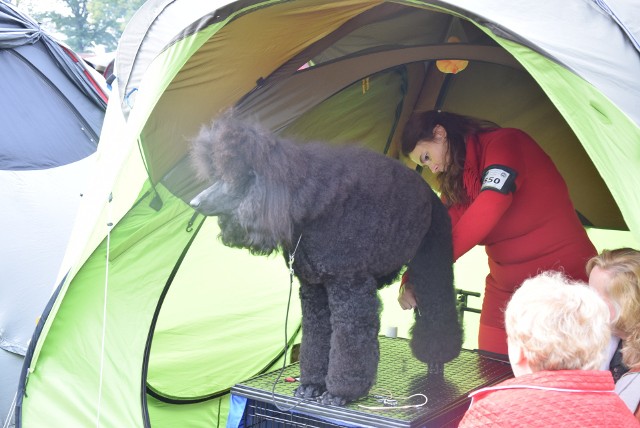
(400, 375)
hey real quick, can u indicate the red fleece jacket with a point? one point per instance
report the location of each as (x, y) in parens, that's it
(563, 398)
(527, 226)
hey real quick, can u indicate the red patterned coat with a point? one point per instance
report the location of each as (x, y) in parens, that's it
(562, 398)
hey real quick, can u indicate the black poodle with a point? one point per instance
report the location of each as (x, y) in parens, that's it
(351, 219)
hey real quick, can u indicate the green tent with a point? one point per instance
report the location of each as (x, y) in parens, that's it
(156, 320)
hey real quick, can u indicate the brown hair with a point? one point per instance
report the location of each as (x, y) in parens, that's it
(623, 267)
(420, 127)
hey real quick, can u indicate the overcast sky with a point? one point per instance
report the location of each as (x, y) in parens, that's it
(38, 6)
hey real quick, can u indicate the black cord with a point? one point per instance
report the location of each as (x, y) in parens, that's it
(219, 407)
(286, 342)
(286, 348)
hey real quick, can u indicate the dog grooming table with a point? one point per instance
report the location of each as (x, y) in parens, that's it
(400, 375)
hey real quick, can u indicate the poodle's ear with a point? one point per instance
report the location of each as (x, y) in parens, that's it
(266, 214)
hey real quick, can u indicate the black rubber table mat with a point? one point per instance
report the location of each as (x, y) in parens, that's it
(400, 375)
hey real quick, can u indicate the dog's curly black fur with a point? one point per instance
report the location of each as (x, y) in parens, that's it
(359, 217)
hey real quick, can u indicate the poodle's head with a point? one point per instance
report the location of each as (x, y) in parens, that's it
(223, 154)
(236, 157)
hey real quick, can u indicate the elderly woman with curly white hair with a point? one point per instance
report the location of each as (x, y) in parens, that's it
(557, 335)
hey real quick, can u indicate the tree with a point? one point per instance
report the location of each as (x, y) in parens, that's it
(87, 24)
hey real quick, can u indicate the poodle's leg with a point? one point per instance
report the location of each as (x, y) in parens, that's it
(436, 333)
(316, 337)
(355, 320)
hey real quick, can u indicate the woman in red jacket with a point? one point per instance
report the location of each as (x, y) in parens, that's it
(504, 192)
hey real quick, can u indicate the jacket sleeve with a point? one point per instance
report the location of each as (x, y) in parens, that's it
(483, 215)
(455, 213)
(479, 220)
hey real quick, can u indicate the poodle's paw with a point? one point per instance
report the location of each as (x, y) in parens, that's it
(436, 343)
(309, 391)
(332, 400)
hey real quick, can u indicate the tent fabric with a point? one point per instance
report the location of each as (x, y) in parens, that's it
(18, 29)
(150, 31)
(52, 106)
(37, 96)
(158, 319)
(567, 44)
(621, 12)
(72, 137)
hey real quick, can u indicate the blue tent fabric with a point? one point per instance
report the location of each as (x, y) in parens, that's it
(237, 405)
(61, 104)
(18, 29)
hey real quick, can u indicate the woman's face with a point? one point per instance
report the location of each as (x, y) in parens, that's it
(600, 281)
(434, 153)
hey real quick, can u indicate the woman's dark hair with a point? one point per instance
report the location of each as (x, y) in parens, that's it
(420, 127)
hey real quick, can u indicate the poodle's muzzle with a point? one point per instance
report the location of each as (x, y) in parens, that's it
(215, 200)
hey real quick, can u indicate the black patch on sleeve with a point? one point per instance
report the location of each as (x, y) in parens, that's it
(499, 178)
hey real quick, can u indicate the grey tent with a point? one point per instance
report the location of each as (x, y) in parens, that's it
(156, 319)
(51, 111)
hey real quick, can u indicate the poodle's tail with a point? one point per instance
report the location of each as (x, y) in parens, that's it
(437, 335)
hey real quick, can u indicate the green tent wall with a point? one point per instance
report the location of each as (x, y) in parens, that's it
(53, 105)
(156, 319)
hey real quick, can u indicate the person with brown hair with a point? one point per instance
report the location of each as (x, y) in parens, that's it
(504, 192)
(615, 275)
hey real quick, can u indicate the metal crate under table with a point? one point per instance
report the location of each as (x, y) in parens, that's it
(399, 375)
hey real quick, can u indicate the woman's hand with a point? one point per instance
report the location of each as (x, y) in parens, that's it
(406, 298)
